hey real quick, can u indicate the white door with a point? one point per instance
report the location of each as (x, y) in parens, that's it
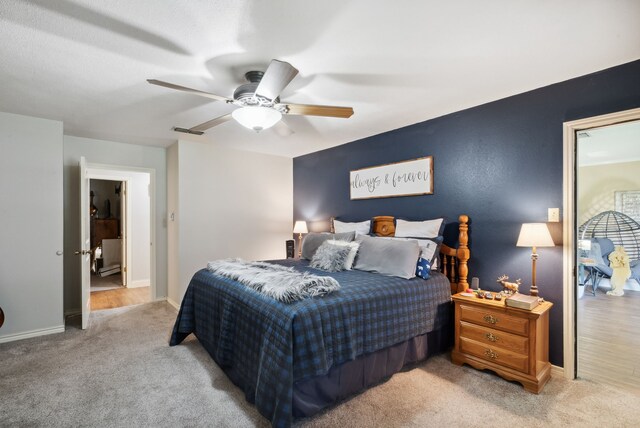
(85, 251)
(124, 200)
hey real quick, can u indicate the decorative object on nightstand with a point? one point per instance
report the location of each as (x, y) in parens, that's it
(522, 301)
(534, 235)
(512, 342)
(300, 227)
(509, 287)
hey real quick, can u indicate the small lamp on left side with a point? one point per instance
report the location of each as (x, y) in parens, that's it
(300, 227)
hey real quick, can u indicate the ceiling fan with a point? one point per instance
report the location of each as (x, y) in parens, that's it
(259, 101)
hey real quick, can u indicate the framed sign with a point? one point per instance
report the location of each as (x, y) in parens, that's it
(407, 178)
(628, 202)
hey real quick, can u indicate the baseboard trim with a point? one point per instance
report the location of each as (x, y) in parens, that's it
(557, 371)
(139, 283)
(175, 305)
(32, 333)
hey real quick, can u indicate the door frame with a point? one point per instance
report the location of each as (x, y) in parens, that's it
(569, 227)
(119, 173)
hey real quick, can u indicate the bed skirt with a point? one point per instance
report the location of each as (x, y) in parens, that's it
(312, 395)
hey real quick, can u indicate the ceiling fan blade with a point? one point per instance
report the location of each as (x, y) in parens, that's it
(187, 131)
(189, 90)
(275, 79)
(282, 129)
(314, 110)
(211, 123)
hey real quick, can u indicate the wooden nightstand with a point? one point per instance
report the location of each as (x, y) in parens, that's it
(512, 342)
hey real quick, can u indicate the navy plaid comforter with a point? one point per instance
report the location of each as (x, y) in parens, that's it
(265, 346)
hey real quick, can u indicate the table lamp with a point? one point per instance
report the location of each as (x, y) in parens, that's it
(534, 235)
(300, 227)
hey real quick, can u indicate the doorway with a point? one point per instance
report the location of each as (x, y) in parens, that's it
(608, 216)
(121, 227)
(107, 235)
(590, 330)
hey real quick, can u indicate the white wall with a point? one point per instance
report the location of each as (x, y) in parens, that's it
(226, 203)
(31, 226)
(140, 229)
(597, 185)
(118, 154)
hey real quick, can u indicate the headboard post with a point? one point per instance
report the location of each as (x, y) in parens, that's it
(463, 253)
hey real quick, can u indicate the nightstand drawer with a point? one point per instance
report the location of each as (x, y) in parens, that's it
(495, 355)
(491, 337)
(494, 319)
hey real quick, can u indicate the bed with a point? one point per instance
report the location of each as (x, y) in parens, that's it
(293, 359)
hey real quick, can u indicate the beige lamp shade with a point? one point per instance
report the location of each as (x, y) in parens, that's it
(535, 235)
(300, 227)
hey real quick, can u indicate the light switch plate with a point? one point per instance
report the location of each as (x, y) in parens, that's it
(554, 215)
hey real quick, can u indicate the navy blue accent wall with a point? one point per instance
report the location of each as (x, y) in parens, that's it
(500, 163)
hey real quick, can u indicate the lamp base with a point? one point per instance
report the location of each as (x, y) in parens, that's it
(533, 291)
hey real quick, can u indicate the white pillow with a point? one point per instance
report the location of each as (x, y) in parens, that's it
(361, 228)
(418, 229)
(353, 250)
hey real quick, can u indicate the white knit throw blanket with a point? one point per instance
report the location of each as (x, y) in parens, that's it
(284, 284)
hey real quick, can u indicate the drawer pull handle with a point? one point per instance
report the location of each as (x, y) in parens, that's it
(491, 354)
(491, 337)
(491, 319)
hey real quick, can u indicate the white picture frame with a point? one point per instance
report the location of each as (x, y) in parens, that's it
(628, 202)
(407, 178)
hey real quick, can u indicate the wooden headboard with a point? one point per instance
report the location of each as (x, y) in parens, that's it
(453, 260)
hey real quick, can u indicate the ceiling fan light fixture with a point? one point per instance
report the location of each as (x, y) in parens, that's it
(256, 118)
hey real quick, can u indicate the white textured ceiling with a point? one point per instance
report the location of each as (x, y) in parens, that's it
(85, 62)
(610, 144)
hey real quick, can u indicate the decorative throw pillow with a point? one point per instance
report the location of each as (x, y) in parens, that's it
(312, 241)
(429, 248)
(360, 228)
(419, 229)
(423, 268)
(353, 250)
(330, 257)
(388, 256)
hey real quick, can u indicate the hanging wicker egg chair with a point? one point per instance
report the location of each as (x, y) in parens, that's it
(618, 227)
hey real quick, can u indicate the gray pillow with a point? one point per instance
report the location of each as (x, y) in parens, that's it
(429, 248)
(387, 256)
(313, 240)
(330, 257)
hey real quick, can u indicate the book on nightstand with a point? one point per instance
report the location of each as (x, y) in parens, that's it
(522, 301)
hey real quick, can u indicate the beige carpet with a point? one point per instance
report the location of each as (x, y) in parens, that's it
(121, 372)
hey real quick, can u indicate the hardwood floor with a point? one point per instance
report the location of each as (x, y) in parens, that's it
(120, 297)
(608, 339)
